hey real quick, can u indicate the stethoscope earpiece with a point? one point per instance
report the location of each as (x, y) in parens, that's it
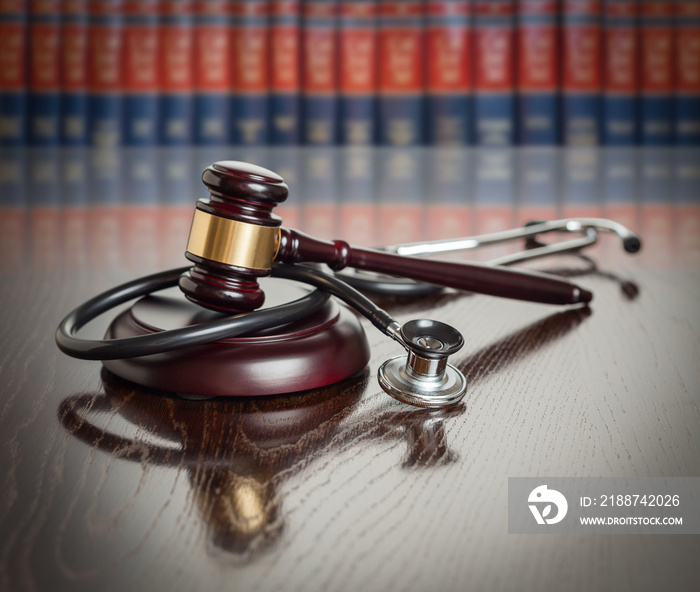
(425, 378)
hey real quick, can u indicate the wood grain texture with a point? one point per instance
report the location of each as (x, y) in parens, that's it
(107, 486)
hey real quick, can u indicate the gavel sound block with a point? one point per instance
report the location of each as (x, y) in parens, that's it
(326, 347)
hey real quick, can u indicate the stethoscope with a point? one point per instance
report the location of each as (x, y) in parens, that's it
(423, 377)
(235, 239)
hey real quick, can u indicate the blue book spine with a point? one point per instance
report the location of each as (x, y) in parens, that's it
(537, 187)
(494, 76)
(657, 197)
(400, 194)
(448, 79)
(212, 71)
(620, 170)
(44, 100)
(537, 73)
(401, 73)
(319, 72)
(687, 84)
(74, 79)
(319, 187)
(620, 190)
(13, 73)
(250, 99)
(687, 207)
(656, 106)
(494, 195)
(105, 188)
(582, 187)
(581, 72)
(358, 80)
(74, 211)
(357, 191)
(449, 177)
(141, 73)
(44, 189)
(620, 98)
(13, 207)
(141, 214)
(175, 48)
(620, 179)
(285, 72)
(104, 66)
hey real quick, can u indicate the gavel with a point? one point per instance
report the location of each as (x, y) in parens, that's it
(236, 237)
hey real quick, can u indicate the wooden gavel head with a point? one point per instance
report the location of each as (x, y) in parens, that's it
(234, 236)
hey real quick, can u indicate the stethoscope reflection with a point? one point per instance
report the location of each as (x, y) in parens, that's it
(238, 453)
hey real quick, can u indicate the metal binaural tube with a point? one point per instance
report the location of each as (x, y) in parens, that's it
(630, 240)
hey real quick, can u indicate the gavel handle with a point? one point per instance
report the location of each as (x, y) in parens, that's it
(297, 247)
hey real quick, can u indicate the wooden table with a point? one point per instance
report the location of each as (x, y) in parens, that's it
(108, 486)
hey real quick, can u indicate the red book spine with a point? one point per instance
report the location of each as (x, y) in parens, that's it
(13, 72)
(401, 73)
(494, 72)
(285, 72)
(140, 72)
(319, 72)
(212, 71)
(657, 72)
(401, 121)
(104, 72)
(582, 79)
(358, 72)
(44, 72)
(538, 73)
(175, 61)
(621, 80)
(687, 72)
(74, 82)
(251, 82)
(358, 86)
(319, 214)
(448, 78)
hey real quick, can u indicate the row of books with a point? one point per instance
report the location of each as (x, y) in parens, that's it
(350, 72)
(132, 208)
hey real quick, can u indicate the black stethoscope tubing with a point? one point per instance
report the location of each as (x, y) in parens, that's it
(208, 332)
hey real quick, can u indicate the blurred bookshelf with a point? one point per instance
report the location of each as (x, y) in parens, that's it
(364, 72)
(390, 121)
(129, 209)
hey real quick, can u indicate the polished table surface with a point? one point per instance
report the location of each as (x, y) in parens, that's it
(109, 486)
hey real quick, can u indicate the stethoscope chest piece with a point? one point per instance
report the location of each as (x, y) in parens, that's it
(425, 378)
